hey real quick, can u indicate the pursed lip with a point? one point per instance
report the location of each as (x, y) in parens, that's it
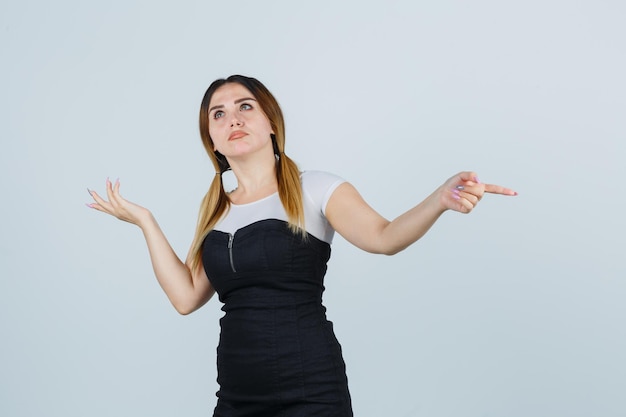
(237, 134)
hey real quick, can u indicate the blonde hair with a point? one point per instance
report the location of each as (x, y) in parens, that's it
(216, 202)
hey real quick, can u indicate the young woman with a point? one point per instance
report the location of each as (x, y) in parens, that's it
(264, 247)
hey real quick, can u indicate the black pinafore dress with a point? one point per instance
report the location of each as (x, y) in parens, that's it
(277, 355)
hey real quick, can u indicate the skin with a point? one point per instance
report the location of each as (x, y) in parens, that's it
(241, 132)
(233, 112)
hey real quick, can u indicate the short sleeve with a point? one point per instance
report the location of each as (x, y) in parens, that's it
(319, 186)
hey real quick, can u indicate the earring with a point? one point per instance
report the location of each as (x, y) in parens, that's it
(222, 162)
(275, 145)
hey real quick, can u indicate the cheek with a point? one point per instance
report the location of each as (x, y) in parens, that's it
(214, 140)
(267, 126)
(214, 132)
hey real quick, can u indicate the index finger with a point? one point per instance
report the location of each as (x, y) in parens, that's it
(498, 189)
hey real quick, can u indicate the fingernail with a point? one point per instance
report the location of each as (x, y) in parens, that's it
(455, 191)
(456, 196)
(477, 180)
(89, 205)
(89, 191)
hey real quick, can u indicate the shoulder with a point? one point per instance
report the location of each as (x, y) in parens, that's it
(318, 186)
(320, 179)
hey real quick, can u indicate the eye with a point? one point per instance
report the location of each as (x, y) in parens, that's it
(218, 114)
(245, 106)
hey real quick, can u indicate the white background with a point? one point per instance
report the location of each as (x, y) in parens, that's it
(514, 310)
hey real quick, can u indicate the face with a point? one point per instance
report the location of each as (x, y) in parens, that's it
(237, 124)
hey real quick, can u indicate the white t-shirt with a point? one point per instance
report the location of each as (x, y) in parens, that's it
(317, 187)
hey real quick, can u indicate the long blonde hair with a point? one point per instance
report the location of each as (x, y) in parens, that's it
(216, 202)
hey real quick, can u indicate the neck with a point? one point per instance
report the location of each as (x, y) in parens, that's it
(255, 179)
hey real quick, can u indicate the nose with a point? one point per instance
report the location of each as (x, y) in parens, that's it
(236, 121)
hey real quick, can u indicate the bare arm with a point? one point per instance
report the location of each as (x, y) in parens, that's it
(186, 291)
(361, 225)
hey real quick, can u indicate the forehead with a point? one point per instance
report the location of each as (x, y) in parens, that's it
(228, 93)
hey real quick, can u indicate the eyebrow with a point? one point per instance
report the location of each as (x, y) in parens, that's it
(221, 106)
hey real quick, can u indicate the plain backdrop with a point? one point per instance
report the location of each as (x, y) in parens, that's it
(515, 310)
